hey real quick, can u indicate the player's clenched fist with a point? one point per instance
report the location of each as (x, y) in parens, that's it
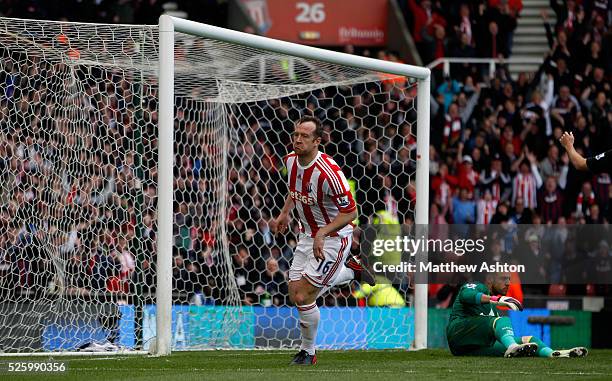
(280, 224)
(567, 140)
(317, 246)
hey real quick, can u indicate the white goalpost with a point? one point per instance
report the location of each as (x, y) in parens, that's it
(140, 165)
(168, 25)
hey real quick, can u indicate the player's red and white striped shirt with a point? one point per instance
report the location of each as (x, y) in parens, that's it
(320, 191)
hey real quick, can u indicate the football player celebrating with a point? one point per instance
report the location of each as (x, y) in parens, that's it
(319, 193)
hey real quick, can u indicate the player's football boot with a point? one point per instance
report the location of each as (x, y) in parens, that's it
(574, 352)
(522, 350)
(303, 358)
(362, 273)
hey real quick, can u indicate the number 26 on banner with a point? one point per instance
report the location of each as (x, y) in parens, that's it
(310, 13)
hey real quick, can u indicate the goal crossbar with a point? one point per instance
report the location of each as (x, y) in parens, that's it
(172, 24)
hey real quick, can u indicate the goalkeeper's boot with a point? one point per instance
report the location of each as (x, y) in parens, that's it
(362, 273)
(574, 352)
(522, 350)
(303, 358)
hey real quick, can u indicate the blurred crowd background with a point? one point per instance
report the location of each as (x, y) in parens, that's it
(494, 155)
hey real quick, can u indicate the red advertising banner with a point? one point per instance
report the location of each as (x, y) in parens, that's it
(322, 22)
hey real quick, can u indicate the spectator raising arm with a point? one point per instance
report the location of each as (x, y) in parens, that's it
(534, 169)
(469, 107)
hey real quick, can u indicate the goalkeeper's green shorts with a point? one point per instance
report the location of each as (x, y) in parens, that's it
(466, 335)
(475, 336)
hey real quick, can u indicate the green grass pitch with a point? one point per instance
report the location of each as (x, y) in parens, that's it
(333, 365)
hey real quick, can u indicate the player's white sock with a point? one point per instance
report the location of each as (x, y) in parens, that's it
(345, 276)
(309, 323)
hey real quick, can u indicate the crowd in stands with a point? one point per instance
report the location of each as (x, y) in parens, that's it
(462, 28)
(73, 185)
(494, 156)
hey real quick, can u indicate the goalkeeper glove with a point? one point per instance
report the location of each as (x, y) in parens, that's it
(506, 301)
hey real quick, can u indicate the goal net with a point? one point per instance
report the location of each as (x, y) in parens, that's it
(128, 225)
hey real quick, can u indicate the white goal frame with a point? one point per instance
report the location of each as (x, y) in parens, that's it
(168, 25)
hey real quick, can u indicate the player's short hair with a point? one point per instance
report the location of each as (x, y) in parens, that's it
(318, 132)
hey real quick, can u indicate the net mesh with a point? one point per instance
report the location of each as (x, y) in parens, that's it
(78, 170)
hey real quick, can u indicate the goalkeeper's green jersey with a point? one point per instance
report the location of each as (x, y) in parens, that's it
(468, 303)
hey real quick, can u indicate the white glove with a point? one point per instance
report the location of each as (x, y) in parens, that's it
(506, 301)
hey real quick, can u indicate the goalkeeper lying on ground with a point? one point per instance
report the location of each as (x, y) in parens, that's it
(476, 329)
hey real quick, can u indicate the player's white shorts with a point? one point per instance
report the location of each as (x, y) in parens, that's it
(320, 274)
